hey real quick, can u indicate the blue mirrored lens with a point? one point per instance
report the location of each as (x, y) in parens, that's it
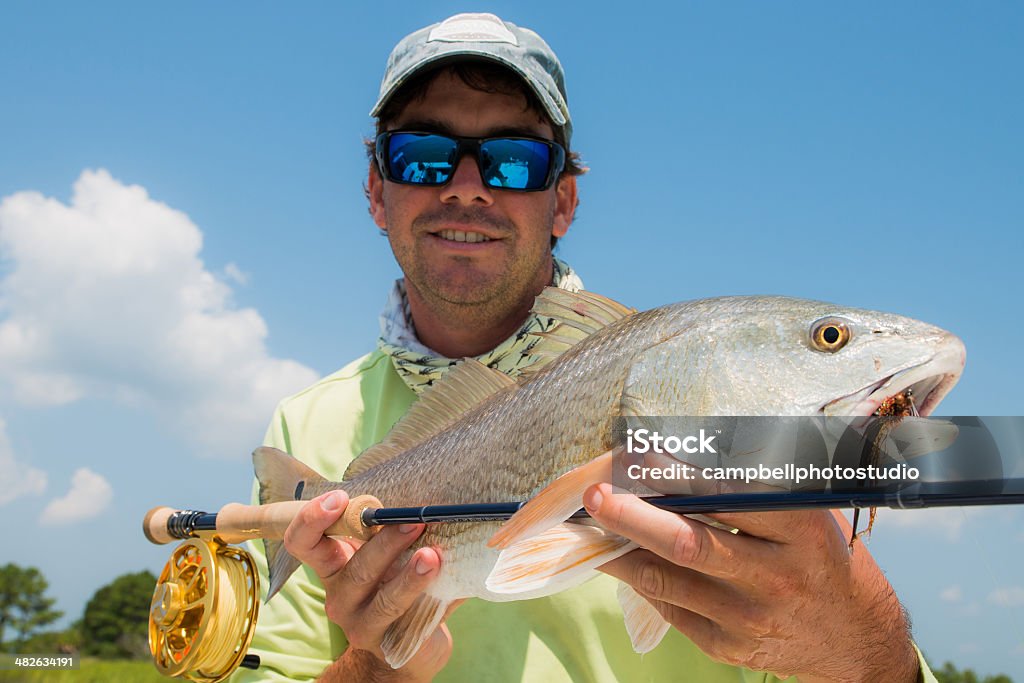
(423, 159)
(515, 164)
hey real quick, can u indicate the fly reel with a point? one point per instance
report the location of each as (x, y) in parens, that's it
(204, 609)
(203, 614)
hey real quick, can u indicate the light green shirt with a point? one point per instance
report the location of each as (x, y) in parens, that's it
(577, 635)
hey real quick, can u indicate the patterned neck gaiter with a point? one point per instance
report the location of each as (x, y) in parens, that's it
(420, 367)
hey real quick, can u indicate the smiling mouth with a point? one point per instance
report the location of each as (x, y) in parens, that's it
(462, 236)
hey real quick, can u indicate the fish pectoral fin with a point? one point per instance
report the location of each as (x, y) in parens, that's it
(557, 502)
(406, 635)
(576, 316)
(644, 624)
(585, 311)
(917, 436)
(554, 560)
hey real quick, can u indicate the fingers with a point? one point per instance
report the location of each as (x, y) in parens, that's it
(703, 632)
(362, 603)
(368, 586)
(780, 527)
(366, 569)
(660, 581)
(394, 598)
(679, 540)
(700, 627)
(304, 537)
(721, 618)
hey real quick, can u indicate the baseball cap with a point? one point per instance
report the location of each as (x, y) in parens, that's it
(483, 36)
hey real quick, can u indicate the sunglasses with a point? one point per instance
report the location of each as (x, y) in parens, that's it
(521, 164)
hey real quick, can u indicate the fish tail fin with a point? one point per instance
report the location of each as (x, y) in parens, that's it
(556, 559)
(555, 503)
(404, 637)
(644, 623)
(281, 477)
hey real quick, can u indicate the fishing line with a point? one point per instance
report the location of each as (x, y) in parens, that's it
(228, 622)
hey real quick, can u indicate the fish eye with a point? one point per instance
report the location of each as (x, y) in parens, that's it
(829, 335)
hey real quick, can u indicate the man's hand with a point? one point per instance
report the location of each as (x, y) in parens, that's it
(785, 595)
(367, 590)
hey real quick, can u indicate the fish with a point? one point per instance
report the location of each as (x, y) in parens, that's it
(481, 436)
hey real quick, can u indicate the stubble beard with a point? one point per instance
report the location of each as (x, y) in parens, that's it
(465, 294)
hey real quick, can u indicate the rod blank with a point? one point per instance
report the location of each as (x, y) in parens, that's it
(365, 515)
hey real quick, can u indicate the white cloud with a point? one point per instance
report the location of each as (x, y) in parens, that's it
(90, 494)
(107, 297)
(233, 272)
(945, 522)
(18, 479)
(951, 594)
(1011, 596)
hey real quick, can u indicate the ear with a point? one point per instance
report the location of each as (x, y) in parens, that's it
(566, 200)
(375, 193)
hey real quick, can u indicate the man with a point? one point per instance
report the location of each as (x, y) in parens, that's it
(468, 183)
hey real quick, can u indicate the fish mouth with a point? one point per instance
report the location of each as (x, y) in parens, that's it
(915, 390)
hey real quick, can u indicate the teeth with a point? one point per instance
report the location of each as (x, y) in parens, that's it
(460, 236)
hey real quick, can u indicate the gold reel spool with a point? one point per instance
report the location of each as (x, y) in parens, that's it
(204, 610)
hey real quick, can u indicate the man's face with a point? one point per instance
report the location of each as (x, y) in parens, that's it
(423, 223)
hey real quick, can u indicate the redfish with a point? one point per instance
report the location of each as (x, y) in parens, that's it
(481, 436)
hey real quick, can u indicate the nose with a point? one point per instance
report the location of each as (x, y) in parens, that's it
(467, 186)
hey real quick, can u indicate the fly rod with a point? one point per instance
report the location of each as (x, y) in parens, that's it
(365, 515)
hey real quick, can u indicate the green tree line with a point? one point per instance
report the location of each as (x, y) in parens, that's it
(115, 622)
(950, 674)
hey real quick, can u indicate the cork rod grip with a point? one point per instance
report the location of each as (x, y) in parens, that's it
(237, 522)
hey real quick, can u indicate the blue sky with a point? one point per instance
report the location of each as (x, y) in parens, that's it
(868, 155)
